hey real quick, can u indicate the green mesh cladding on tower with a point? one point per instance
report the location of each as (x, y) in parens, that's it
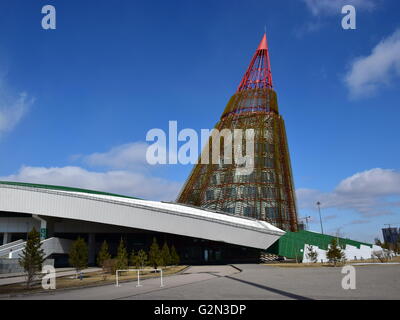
(268, 192)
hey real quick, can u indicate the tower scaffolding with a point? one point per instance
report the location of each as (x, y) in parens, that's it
(268, 192)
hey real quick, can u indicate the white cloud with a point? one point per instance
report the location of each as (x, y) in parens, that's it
(12, 107)
(118, 181)
(308, 27)
(369, 73)
(374, 182)
(320, 9)
(330, 7)
(330, 217)
(360, 221)
(130, 155)
(123, 170)
(366, 193)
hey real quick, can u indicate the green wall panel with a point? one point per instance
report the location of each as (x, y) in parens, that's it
(291, 244)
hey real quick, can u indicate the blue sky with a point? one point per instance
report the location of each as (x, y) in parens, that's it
(76, 102)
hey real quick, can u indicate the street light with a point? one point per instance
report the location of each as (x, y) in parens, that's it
(320, 219)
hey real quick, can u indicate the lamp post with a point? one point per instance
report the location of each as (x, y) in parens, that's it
(320, 219)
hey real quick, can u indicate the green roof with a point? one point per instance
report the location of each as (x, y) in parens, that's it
(290, 244)
(62, 188)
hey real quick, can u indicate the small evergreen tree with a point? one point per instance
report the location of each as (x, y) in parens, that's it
(175, 260)
(79, 255)
(312, 254)
(142, 258)
(104, 254)
(335, 253)
(32, 257)
(108, 267)
(155, 258)
(134, 260)
(122, 257)
(165, 254)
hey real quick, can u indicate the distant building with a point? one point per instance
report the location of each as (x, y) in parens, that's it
(391, 235)
(301, 226)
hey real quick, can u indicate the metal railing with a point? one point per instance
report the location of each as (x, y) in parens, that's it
(138, 276)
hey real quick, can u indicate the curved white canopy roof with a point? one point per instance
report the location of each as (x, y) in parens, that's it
(135, 213)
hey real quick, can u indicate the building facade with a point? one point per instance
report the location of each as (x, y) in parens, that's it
(391, 235)
(62, 214)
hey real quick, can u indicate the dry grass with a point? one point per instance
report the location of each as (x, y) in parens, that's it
(297, 265)
(319, 265)
(90, 279)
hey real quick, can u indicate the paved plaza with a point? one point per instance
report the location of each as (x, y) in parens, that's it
(249, 282)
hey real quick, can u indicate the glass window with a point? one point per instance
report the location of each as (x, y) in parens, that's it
(271, 212)
(269, 162)
(229, 210)
(249, 211)
(250, 192)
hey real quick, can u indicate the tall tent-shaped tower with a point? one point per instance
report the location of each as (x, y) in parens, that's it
(268, 192)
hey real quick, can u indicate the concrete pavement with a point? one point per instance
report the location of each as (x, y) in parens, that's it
(255, 282)
(128, 289)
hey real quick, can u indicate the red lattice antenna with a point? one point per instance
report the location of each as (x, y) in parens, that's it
(258, 74)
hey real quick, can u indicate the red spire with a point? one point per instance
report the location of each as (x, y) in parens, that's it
(263, 44)
(258, 74)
